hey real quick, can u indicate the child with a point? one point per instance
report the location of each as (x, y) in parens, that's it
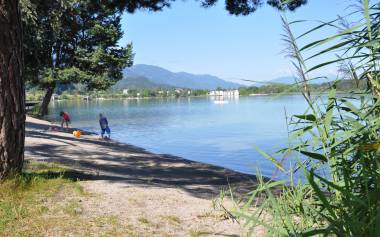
(104, 126)
(65, 118)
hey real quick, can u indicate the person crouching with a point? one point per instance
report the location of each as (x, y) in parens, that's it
(65, 118)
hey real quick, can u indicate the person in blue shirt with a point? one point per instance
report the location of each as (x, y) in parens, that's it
(104, 126)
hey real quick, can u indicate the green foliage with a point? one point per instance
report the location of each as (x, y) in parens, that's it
(246, 7)
(37, 95)
(236, 7)
(337, 141)
(35, 112)
(346, 85)
(268, 89)
(199, 92)
(34, 95)
(73, 41)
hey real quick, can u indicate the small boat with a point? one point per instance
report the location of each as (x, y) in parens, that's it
(219, 102)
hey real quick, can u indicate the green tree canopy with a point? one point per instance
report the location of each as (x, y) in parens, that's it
(235, 7)
(73, 42)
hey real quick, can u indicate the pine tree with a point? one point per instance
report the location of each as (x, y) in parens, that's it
(73, 42)
(12, 109)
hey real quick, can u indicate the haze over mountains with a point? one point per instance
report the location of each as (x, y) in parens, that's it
(148, 76)
(142, 76)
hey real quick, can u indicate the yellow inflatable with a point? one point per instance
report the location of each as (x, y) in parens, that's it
(77, 133)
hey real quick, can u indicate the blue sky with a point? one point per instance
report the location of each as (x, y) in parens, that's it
(189, 38)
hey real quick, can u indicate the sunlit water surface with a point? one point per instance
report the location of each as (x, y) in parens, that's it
(195, 128)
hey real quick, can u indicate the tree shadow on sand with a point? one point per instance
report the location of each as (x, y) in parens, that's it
(93, 159)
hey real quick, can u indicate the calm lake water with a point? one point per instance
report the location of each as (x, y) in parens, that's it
(195, 128)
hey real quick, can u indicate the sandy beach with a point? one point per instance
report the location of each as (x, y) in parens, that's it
(173, 196)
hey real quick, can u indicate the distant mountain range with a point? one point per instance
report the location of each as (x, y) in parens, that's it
(138, 82)
(148, 76)
(142, 76)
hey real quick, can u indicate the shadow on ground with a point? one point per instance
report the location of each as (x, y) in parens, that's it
(94, 159)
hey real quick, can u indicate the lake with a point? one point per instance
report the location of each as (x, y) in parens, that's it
(195, 128)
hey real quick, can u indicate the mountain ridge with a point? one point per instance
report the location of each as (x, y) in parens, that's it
(161, 76)
(144, 76)
(138, 82)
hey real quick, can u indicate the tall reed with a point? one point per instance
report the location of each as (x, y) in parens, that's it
(337, 140)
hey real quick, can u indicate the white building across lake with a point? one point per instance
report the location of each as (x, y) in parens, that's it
(224, 93)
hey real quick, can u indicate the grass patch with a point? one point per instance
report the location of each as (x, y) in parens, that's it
(143, 220)
(173, 219)
(73, 209)
(107, 220)
(43, 201)
(46, 200)
(44, 167)
(26, 200)
(216, 215)
(198, 232)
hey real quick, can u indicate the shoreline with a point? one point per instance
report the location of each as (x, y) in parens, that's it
(212, 175)
(146, 193)
(97, 137)
(189, 97)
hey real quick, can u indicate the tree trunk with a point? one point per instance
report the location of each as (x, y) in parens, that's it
(12, 94)
(46, 100)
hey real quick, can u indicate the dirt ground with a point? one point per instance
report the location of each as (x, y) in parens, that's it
(147, 194)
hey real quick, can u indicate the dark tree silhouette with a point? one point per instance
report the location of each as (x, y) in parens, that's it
(12, 109)
(235, 7)
(78, 44)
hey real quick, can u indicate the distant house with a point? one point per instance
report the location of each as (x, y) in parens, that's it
(86, 98)
(125, 91)
(224, 93)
